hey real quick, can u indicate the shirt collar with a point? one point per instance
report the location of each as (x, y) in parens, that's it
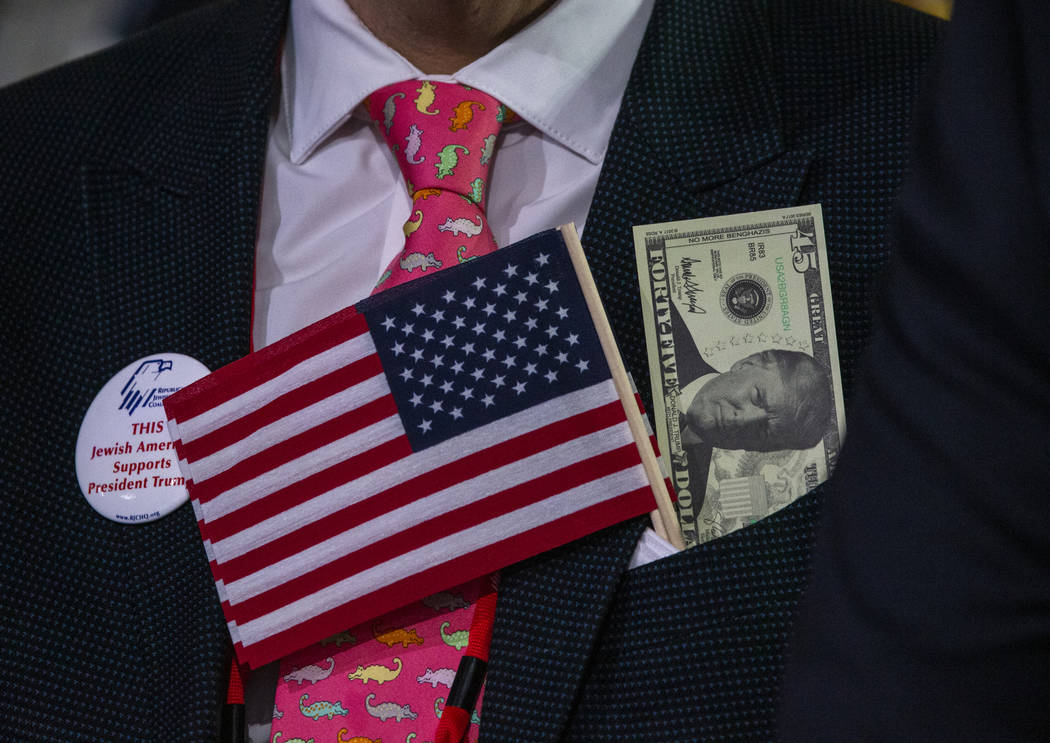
(567, 89)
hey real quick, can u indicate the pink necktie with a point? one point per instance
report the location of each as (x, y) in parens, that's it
(443, 136)
(388, 679)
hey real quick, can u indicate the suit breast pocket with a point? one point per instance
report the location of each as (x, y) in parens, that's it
(694, 646)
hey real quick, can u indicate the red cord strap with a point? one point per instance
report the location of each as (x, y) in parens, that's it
(455, 718)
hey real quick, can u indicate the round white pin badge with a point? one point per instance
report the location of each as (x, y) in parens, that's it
(126, 463)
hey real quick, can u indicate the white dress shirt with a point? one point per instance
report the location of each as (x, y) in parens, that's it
(334, 200)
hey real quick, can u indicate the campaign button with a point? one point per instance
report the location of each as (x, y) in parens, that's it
(126, 463)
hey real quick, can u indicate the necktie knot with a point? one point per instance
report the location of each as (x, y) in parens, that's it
(443, 136)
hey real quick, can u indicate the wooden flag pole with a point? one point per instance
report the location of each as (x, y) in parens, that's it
(665, 521)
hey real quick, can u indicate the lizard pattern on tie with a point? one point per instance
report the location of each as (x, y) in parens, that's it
(383, 680)
(443, 136)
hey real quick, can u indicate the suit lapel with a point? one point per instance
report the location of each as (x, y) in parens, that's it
(174, 204)
(698, 134)
(170, 222)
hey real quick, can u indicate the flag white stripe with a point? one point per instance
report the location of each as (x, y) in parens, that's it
(291, 425)
(305, 371)
(209, 550)
(443, 550)
(290, 472)
(235, 633)
(173, 429)
(393, 474)
(433, 506)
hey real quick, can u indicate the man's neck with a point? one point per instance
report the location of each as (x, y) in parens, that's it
(441, 36)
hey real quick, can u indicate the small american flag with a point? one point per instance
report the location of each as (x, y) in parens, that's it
(431, 434)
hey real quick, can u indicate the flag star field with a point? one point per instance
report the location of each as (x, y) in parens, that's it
(467, 352)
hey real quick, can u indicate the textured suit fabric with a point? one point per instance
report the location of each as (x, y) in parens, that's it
(128, 207)
(127, 219)
(928, 618)
(815, 110)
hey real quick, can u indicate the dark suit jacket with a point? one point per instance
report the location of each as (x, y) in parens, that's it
(128, 204)
(928, 618)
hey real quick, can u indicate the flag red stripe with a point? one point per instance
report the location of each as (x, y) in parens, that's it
(251, 371)
(431, 481)
(180, 450)
(456, 520)
(320, 435)
(303, 490)
(464, 568)
(288, 403)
